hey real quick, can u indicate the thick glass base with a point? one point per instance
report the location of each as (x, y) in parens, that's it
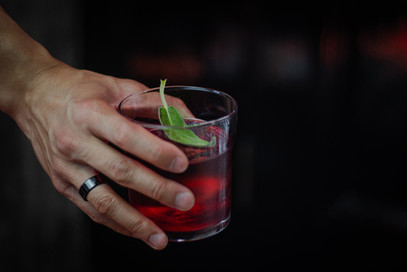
(199, 234)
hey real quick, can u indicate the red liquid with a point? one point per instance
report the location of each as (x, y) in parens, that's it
(208, 177)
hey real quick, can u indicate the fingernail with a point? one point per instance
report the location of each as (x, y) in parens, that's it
(158, 240)
(184, 201)
(179, 164)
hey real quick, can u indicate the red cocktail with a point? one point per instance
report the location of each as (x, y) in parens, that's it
(209, 173)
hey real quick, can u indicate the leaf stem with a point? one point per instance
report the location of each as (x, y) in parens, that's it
(162, 86)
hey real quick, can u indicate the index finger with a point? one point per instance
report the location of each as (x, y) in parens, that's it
(108, 124)
(146, 106)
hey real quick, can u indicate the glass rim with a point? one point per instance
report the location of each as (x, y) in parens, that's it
(182, 87)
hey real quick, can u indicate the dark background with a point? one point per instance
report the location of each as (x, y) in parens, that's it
(319, 169)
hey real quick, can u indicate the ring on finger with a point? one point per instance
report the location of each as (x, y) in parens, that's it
(89, 185)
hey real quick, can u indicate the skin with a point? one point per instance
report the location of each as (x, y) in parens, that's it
(69, 115)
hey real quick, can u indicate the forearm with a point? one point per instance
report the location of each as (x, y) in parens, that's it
(21, 58)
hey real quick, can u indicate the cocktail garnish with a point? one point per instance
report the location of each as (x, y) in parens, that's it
(169, 116)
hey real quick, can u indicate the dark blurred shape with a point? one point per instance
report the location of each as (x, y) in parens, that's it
(179, 67)
(333, 47)
(387, 42)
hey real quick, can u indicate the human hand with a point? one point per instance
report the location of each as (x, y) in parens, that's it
(69, 115)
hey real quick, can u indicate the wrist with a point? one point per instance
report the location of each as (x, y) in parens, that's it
(41, 93)
(16, 77)
(21, 58)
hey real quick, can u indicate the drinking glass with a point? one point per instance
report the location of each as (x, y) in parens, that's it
(212, 116)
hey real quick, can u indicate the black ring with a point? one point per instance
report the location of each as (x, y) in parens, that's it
(88, 186)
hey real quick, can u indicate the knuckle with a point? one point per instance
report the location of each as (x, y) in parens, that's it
(136, 225)
(59, 168)
(66, 190)
(157, 153)
(105, 204)
(121, 135)
(66, 143)
(70, 146)
(60, 177)
(62, 187)
(97, 217)
(81, 110)
(157, 190)
(162, 155)
(120, 170)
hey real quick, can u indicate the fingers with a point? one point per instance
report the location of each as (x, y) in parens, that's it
(113, 210)
(106, 123)
(142, 144)
(105, 207)
(147, 106)
(134, 175)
